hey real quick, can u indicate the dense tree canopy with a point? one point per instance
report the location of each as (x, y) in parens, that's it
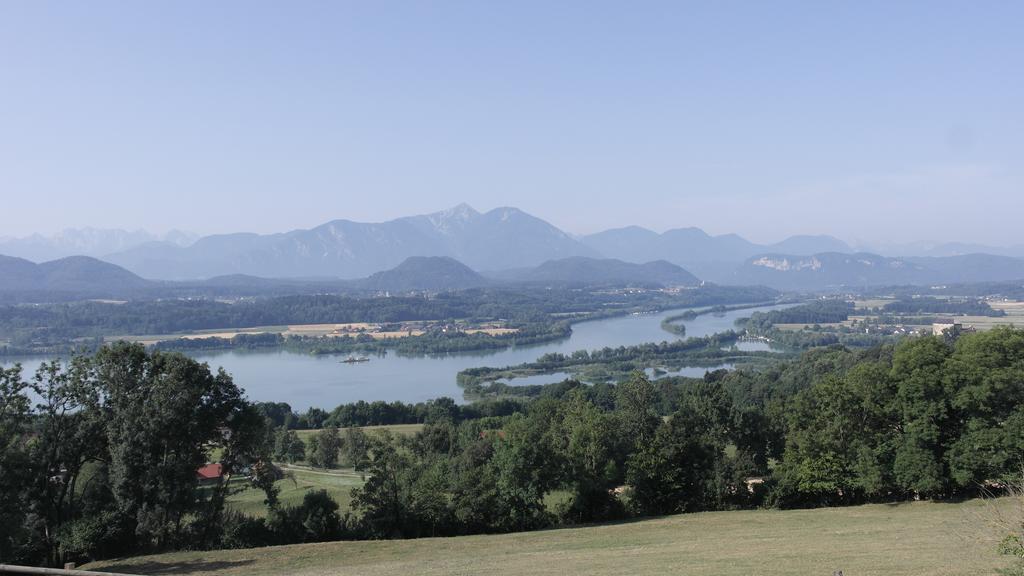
(101, 459)
(106, 460)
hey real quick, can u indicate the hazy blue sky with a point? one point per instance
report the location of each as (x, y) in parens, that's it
(867, 120)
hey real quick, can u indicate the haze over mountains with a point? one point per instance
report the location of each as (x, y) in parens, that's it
(462, 247)
(591, 271)
(81, 275)
(84, 277)
(86, 242)
(498, 239)
(833, 270)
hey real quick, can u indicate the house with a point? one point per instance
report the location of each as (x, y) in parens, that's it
(210, 474)
(946, 325)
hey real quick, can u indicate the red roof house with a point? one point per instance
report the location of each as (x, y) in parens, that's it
(210, 472)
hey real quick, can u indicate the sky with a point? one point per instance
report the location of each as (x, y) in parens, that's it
(870, 121)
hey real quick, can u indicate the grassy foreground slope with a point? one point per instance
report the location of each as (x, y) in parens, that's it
(914, 538)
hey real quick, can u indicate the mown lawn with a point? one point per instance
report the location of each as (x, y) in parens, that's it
(298, 482)
(295, 485)
(906, 539)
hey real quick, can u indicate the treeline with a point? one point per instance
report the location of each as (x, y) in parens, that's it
(612, 362)
(921, 419)
(810, 338)
(381, 413)
(431, 342)
(931, 305)
(671, 324)
(812, 314)
(47, 326)
(817, 312)
(1013, 290)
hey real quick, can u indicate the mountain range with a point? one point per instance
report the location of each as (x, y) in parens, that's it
(507, 244)
(86, 242)
(84, 277)
(499, 239)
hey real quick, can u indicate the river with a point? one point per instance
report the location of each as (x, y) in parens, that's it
(303, 380)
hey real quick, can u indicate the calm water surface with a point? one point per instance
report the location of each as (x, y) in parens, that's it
(303, 380)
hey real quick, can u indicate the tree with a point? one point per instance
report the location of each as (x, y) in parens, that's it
(676, 471)
(161, 412)
(16, 545)
(280, 413)
(356, 448)
(312, 418)
(246, 445)
(323, 447)
(68, 437)
(984, 379)
(320, 516)
(918, 367)
(288, 447)
(589, 452)
(635, 402)
(527, 466)
(384, 500)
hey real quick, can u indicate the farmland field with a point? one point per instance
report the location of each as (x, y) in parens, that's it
(903, 539)
(312, 330)
(1014, 316)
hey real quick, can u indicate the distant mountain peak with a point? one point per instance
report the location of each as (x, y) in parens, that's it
(809, 244)
(463, 212)
(452, 219)
(501, 238)
(504, 213)
(88, 241)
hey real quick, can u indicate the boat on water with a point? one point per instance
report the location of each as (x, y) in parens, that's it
(355, 359)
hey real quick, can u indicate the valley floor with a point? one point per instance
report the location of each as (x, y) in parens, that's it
(905, 539)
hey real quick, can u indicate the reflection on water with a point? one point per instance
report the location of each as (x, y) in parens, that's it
(303, 380)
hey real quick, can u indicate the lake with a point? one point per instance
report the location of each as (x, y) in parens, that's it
(303, 380)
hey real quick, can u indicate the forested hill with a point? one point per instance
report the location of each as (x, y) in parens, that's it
(74, 274)
(594, 271)
(425, 273)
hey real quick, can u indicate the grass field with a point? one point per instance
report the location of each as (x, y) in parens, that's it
(907, 539)
(1014, 316)
(299, 480)
(338, 483)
